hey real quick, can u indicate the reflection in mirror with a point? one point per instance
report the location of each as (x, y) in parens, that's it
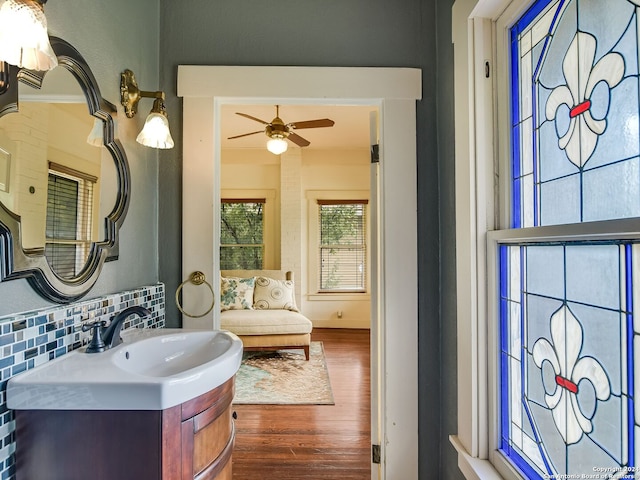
(55, 177)
(62, 199)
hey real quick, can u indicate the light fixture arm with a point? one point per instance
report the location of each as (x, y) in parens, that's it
(130, 95)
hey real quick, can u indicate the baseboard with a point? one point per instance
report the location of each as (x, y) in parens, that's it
(343, 323)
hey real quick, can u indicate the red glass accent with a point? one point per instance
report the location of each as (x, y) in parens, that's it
(580, 108)
(566, 383)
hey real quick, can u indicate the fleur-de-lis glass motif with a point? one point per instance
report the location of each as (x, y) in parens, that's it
(570, 369)
(582, 76)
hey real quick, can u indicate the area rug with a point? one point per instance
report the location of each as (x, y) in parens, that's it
(284, 377)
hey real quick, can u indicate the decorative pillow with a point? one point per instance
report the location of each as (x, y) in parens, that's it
(270, 294)
(236, 293)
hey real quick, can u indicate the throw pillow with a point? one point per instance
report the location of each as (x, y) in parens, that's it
(236, 293)
(271, 294)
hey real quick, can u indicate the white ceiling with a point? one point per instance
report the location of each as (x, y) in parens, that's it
(351, 129)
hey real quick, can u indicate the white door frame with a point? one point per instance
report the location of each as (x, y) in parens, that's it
(395, 90)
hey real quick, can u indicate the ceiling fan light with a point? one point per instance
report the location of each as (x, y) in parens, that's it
(24, 40)
(155, 133)
(277, 145)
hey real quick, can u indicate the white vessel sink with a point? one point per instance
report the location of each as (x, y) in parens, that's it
(152, 369)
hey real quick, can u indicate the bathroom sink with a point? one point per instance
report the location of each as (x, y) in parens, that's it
(153, 369)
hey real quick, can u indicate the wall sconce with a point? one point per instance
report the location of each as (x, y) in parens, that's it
(155, 133)
(24, 40)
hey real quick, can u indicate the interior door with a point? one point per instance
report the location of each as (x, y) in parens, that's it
(376, 343)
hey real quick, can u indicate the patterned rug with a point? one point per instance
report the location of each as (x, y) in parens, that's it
(284, 377)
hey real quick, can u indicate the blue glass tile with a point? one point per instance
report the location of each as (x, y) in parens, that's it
(20, 367)
(51, 346)
(42, 339)
(41, 320)
(7, 361)
(18, 347)
(7, 339)
(61, 351)
(6, 328)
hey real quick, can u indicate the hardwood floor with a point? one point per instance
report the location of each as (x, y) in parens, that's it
(322, 442)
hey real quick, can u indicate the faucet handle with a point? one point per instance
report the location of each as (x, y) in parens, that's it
(89, 325)
(96, 344)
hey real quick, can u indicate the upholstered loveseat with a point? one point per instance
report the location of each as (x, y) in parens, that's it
(259, 306)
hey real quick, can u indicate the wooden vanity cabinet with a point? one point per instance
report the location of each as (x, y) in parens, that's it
(190, 441)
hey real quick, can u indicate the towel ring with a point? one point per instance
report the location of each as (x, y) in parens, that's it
(197, 278)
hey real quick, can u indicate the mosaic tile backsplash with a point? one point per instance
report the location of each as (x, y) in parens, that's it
(32, 338)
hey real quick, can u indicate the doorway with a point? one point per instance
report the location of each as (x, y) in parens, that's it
(394, 327)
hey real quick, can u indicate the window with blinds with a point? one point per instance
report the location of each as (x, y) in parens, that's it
(242, 234)
(342, 246)
(69, 220)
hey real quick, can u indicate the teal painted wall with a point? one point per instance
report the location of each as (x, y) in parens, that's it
(402, 33)
(153, 37)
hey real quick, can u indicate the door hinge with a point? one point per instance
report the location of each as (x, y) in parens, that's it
(375, 454)
(375, 153)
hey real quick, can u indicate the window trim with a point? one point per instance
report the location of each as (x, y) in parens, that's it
(261, 245)
(363, 245)
(85, 211)
(271, 225)
(477, 42)
(314, 198)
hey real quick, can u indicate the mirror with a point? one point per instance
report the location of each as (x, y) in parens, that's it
(62, 200)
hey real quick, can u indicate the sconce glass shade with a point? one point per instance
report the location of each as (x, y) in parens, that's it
(24, 40)
(277, 145)
(155, 133)
(95, 136)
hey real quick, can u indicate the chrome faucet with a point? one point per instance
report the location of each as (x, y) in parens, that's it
(108, 337)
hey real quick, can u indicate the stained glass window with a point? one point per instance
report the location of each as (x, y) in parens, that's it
(575, 112)
(567, 358)
(566, 318)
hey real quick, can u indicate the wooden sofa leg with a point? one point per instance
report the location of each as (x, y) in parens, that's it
(306, 352)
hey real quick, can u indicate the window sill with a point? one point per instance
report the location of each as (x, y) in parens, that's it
(473, 468)
(333, 297)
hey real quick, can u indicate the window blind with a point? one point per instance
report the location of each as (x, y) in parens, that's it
(342, 249)
(68, 221)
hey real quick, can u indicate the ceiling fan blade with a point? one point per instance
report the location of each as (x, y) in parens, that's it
(245, 134)
(252, 118)
(321, 122)
(298, 140)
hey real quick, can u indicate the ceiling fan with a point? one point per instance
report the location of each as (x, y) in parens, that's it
(278, 131)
